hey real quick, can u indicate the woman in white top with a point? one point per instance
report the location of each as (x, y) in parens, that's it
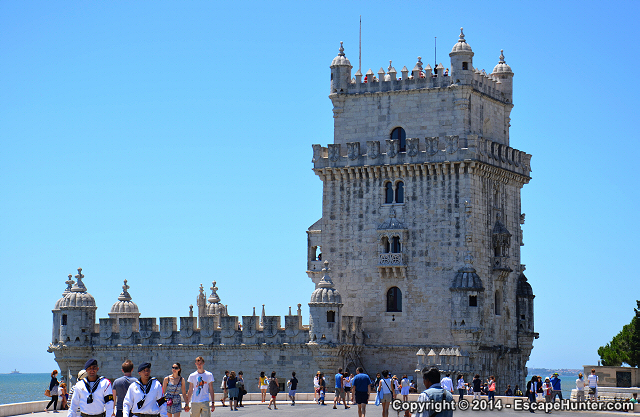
(404, 391)
(461, 387)
(385, 387)
(316, 386)
(580, 388)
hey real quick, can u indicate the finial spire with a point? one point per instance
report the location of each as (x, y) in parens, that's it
(419, 63)
(79, 287)
(468, 260)
(502, 56)
(69, 283)
(341, 53)
(201, 290)
(124, 296)
(214, 298)
(390, 67)
(461, 35)
(325, 281)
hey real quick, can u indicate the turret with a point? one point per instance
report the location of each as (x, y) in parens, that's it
(77, 314)
(125, 308)
(466, 303)
(57, 315)
(461, 62)
(524, 304)
(340, 72)
(503, 72)
(325, 311)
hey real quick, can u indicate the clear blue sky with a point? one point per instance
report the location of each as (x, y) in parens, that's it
(169, 143)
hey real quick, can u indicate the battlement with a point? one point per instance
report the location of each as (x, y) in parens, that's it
(430, 150)
(482, 82)
(224, 330)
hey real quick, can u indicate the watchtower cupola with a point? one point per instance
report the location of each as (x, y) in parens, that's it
(461, 61)
(340, 72)
(503, 72)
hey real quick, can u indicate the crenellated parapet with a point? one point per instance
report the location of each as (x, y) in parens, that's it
(430, 150)
(146, 331)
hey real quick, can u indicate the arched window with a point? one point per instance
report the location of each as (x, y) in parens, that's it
(395, 245)
(399, 134)
(386, 247)
(399, 192)
(388, 193)
(331, 316)
(394, 300)
(498, 303)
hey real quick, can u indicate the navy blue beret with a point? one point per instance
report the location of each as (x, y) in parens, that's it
(144, 366)
(90, 363)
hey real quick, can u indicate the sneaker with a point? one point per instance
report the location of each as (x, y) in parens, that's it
(334, 407)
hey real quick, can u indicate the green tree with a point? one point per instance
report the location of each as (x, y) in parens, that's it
(625, 346)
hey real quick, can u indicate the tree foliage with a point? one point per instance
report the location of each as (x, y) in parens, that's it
(625, 346)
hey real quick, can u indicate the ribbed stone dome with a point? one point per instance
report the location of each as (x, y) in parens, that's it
(124, 305)
(466, 278)
(461, 45)
(502, 67)
(78, 296)
(326, 292)
(341, 59)
(214, 308)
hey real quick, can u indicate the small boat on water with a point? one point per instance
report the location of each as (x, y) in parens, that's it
(15, 371)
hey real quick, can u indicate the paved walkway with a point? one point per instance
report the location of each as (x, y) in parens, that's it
(310, 409)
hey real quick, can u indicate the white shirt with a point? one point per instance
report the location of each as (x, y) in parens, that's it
(580, 384)
(593, 381)
(98, 406)
(135, 393)
(386, 387)
(461, 383)
(200, 382)
(447, 383)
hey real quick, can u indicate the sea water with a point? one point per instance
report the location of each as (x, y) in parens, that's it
(19, 388)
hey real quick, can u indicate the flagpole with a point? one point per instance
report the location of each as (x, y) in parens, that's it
(360, 47)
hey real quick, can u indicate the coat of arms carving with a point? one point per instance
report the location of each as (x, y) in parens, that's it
(392, 148)
(373, 149)
(353, 150)
(412, 146)
(432, 145)
(451, 144)
(334, 152)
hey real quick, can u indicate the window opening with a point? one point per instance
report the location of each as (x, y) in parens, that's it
(465, 65)
(394, 300)
(64, 319)
(395, 245)
(388, 193)
(331, 316)
(498, 303)
(399, 134)
(400, 192)
(473, 301)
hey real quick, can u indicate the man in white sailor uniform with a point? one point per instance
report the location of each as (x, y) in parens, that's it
(144, 397)
(93, 395)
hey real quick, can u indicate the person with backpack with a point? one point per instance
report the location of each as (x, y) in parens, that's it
(435, 393)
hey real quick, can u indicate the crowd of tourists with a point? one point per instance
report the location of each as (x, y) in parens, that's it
(95, 396)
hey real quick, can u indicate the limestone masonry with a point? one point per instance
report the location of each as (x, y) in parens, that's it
(416, 259)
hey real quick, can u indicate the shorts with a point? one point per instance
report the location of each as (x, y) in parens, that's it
(274, 396)
(339, 392)
(386, 398)
(201, 409)
(362, 397)
(264, 386)
(292, 393)
(317, 390)
(347, 389)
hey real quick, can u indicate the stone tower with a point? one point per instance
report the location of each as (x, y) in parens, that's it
(74, 315)
(421, 216)
(325, 310)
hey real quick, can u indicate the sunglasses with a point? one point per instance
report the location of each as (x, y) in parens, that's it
(174, 367)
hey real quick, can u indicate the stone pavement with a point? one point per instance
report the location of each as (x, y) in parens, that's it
(310, 409)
